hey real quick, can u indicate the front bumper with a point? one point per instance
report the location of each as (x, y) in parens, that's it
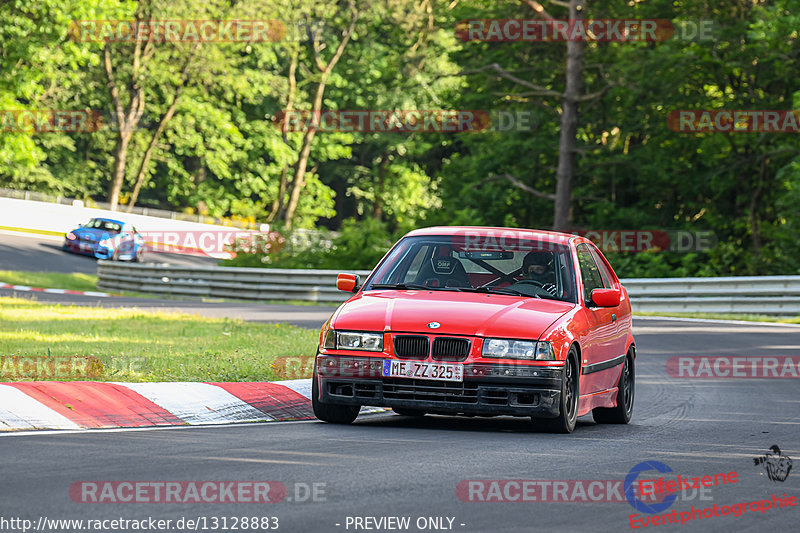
(94, 249)
(487, 390)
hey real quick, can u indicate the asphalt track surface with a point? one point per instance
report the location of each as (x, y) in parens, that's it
(389, 465)
(36, 254)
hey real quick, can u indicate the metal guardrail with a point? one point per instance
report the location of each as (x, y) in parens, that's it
(223, 282)
(775, 295)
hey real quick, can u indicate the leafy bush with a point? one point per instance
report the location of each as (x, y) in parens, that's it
(359, 245)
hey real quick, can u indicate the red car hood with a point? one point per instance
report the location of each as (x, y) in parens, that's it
(459, 313)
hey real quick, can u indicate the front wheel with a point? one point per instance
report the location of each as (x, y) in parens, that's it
(330, 412)
(568, 406)
(621, 413)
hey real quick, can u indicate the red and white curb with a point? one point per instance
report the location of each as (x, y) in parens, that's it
(90, 404)
(25, 288)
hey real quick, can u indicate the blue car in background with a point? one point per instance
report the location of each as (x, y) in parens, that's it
(105, 238)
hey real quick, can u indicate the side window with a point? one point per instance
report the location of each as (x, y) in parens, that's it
(605, 273)
(589, 272)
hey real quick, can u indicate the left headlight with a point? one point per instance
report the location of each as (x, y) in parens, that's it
(71, 236)
(514, 349)
(354, 340)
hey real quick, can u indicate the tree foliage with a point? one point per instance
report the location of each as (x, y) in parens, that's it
(207, 139)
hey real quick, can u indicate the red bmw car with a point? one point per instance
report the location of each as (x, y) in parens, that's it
(481, 321)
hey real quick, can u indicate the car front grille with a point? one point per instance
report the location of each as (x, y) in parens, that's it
(430, 391)
(411, 346)
(450, 349)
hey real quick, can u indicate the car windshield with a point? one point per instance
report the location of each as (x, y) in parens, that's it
(105, 225)
(529, 268)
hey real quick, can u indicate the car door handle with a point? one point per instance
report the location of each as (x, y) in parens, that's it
(613, 317)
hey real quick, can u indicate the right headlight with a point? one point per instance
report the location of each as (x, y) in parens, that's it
(354, 340)
(518, 349)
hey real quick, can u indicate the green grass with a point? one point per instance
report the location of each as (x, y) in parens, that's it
(47, 341)
(728, 316)
(50, 280)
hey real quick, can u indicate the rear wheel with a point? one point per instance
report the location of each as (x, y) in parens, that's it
(621, 413)
(568, 406)
(405, 411)
(330, 412)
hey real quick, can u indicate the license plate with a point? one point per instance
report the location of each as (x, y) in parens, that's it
(86, 247)
(422, 370)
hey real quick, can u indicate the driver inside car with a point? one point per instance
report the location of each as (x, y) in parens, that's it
(539, 267)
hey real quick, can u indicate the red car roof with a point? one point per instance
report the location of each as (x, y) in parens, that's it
(519, 233)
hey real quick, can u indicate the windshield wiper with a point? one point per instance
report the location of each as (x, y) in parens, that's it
(400, 286)
(499, 290)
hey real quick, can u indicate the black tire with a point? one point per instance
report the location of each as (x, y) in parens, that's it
(568, 404)
(139, 257)
(115, 254)
(330, 412)
(405, 411)
(621, 414)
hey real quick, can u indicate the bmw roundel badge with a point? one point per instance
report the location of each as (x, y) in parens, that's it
(434, 325)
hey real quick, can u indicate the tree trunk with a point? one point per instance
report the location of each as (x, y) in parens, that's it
(141, 175)
(127, 120)
(162, 124)
(325, 69)
(302, 162)
(565, 174)
(120, 158)
(377, 205)
(278, 204)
